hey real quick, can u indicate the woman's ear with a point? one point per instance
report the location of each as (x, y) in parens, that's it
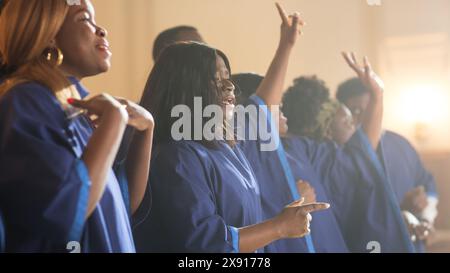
(52, 43)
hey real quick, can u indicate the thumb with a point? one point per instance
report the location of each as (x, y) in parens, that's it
(295, 22)
(314, 207)
(297, 203)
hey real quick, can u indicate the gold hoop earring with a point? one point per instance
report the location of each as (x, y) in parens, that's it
(59, 56)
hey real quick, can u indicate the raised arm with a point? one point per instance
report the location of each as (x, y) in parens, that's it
(373, 119)
(104, 143)
(271, 88)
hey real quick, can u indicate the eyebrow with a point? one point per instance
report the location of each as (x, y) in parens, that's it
(83, 9)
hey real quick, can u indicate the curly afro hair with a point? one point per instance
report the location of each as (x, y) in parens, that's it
(353, 87)
(302, 104)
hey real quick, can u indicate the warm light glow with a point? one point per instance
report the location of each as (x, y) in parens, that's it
(423, 104)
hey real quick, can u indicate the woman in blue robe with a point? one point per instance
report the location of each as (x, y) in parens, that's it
(58, 192)
(205, 195)
(413, 185)
(357, 195)
(275, 189)
(366, 210)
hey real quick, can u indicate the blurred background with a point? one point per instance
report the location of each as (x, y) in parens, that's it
(407, 41)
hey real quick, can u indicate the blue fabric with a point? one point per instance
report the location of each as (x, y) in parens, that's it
(76, 230)
(356, 190)
(269, 177)
(403, 166)
(235, 238)
(2, 234)
(393, 202)
(121, 174)
(44, 185)
(404, 169)
(197, 193)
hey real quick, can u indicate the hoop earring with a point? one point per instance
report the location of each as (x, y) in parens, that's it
(59, 55)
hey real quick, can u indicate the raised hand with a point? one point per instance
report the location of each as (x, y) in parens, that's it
(139, 118)
(98, 105)
(365, 73)
(290, 27)
(306, 191)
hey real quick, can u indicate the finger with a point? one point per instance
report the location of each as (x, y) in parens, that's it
(301, 22)
(354, 58)
(314, 207)
(367, 67)
(96, 122)
(282, 12)
(92, 117)
(121, 100)
(297, 203)
(366, 62)
(347, 58)
(307, 231)
(78, 103)
(350, 62)
(295, 20)
(421, 232)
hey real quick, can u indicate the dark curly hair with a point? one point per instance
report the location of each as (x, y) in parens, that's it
(302, 104)
(353, 87)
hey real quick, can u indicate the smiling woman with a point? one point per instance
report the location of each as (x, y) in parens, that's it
(57, 188)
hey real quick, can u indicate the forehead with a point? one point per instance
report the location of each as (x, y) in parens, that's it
(85, 6)
(221, 66)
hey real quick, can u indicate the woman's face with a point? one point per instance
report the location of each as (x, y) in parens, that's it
(357, 106)
(226, 87)
(83, 43)
(282, 126)
(342, 127)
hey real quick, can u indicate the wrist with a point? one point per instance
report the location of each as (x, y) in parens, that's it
(118, 113)
(284, 47)
(277, 227)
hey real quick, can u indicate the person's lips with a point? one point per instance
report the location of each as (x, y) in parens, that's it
(229, 100)
(104, 47)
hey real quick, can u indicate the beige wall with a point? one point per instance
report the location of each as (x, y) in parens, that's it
(247, 31)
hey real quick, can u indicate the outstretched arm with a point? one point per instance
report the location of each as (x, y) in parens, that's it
(271, 88)
(373, 119)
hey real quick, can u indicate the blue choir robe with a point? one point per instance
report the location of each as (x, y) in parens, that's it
(201, 197)
(44, 184)
(2, 234)
(359, 197)
(276, 194)
(404, 169)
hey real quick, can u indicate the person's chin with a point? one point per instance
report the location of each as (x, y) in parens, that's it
(104, 66)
